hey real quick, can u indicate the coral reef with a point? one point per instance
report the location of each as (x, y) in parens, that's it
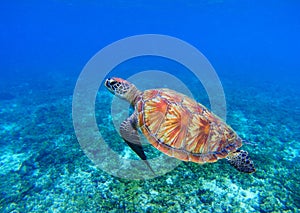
(43, 168)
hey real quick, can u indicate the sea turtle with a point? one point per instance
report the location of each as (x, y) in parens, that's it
(177, 126)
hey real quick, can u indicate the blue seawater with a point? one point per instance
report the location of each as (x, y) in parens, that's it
(254, 49)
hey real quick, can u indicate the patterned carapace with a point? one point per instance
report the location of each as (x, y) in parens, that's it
(182, 128)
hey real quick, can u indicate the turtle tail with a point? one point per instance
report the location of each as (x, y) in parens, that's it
(241, 161)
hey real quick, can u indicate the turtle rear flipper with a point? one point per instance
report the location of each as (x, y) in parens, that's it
(241, 161)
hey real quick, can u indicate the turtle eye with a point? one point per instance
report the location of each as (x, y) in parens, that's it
(113, 83)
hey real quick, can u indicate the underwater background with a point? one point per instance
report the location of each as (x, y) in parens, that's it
(44, 45)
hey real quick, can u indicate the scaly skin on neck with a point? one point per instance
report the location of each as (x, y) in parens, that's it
(132, 95)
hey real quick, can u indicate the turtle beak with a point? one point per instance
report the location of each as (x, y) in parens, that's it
(108, 84)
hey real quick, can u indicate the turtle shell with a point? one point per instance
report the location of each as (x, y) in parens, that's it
(182, 128)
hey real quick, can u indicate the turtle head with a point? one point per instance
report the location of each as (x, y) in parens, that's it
(122, 88)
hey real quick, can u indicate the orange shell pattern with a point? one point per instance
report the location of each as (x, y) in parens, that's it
(182, 128)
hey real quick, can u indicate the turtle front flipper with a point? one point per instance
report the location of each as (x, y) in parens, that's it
(241, 161)
(130, 135)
